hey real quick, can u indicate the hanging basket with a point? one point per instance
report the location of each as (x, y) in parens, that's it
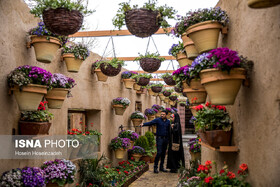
(178, 90)
(150, 64)
(205, 35)
(119, 153)
(45, 47)
(34, 128)
(100, 76)
(143, 81)
(62, 21)
(189, 46)
(169, 81)
(142, 22)
(109, 70)
(221, 86)
(29, 96)
(73, 64)
(183, 59)
(173, 98)
(156, 89)
(216, 138)
(136, 122)
(199, 94)
(262, 3)
(166, 94)
(128, 83)
(119, 109)
(56, 97)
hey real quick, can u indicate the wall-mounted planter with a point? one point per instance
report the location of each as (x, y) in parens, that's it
(73, 64)
(262, 3)
(150, 64)
(100, 76)
(119, 153)
(172, 103)
(189, 46)
(215, 138)
(128, 83)
(34, 128)
(151, 117)
(195, 84)
(119, 109)
(136, 87)
(183, 59)
(221, 86)
(205, 35)
(30, 96)
(45, 47)
(166, 100)
(154, 129)
(56, 97)
(136, 122)
(199, 94)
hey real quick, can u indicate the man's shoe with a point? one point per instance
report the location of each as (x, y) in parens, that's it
(163, 170)
(155, 171)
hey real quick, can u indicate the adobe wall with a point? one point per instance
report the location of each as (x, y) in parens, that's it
(89, 93)
(256, 113)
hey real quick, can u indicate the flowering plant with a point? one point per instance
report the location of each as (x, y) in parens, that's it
(180, 75)
(24, 75)
(198, 64)
(138, 76)
(168, 110)
(195, 147)
(96, 64)
(150, 111)
(174, 110)
(150, 55)
(33, 177)
(12, 178)
(128, 74)
(137, 115)
(61, 81)
(168, 90)
(158, 107)
(137, 150)
(198, 16)
(80, 51)
(212, 117)
(157, 85)
(129, 134)
(176, 48)
(121, 101)
(41, 115)
(59, 171)
(166, 75)
(119, 143)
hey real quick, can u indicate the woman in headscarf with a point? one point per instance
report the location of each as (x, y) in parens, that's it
(175, 157)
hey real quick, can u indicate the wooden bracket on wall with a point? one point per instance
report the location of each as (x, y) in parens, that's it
(223, 149)
(61, 58)
(224, 30)
(28, 45)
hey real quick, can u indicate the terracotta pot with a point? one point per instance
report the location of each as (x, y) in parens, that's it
(136, 87)
(183, 59)
(136, 122)
(154, 129)
(136, 157)
(172, 103)
(189, 46)
(195, 84)
(185, 85)
(166, 99)
(50, 184)
(151, 117)
(216, 138)
(119, 153)
(199, 94)
(150, 91)
(56, 97)
(119, 109)
(128, 83)
(221, 86)
(100, 75)
(30, 96)
(161, 96)
(158, 114)
(153, 158)
(73, 64)
(34, 128)
(195, 156)
(205, 35)
(145, 158)
(262, 3)
(45, 49)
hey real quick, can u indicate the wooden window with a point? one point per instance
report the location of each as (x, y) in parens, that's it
(77, 120)
(138, 106)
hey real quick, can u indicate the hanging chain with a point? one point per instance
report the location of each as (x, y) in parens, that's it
(172, 65)
(148, 45)
(155, 44)
(114, 53)
(113, 47)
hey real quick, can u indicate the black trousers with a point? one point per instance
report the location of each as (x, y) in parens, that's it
(161, 151)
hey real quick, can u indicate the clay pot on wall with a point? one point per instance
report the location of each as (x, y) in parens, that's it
(128, 83)
(136, 157)
(100, 76)
(45, 49)
(221, 86)
(29, 96)
(161, 96)
(183, 59)
(73, 64)
(34, 128)
(119, 153)
(119, 109)
(262, 3)
(151, 117)
(216, 138)
(136, 87)
(136, 122)
(205, 35)
(56, 97)
(189, 46)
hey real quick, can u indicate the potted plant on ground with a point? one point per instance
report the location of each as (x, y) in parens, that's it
(120, 104)
(133, 136)
(150, 62)
(213, 125)
(127, 78)
(29, 84)
(142, 141)
(159, 109)
(112, 67)
(35, 122)
(61, 17)
(150, 113)
(54, 171)
(96, 69)
(262, 3)
(145, 21)
(157, 87)
(152, 150)
(59, 88)
(74, 55)
(12, 178)
(168, 79)
(45, 43)
(178, 51)
(119, 145)
(195, 149)
(142, 79)
(137, 118)
(136, 152)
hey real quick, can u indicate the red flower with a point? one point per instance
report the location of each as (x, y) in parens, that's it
(208, 180)
(199, 107)
(231, 175)
(239, 172)
(222, 171)
(244, 167)
(201, 168)
(208, 162)
(106, 166)
(118, 170)
(207, 104)
(131, 158)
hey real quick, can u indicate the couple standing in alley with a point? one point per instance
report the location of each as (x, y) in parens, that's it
(168, 133)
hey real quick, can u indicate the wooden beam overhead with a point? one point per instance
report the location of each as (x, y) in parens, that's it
(132, 58)
(110, 33)
(154, 79)
(156, 72)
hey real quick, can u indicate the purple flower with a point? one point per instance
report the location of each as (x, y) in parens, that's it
(33, 176)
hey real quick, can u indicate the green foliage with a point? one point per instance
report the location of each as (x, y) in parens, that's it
(137, 115)
(165, 13)
(36, 116)
(186, 173)
(42, 5)
(151, 139)
(80, 51)
(138, 76)
(157, 85)
(96, 64)
(176, 48)
(149, 55)
(168, 90)
(166, 75)
(114, 63)
(142, 141)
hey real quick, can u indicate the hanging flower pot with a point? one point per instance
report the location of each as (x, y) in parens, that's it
(198, 95)
(120, 104)
(150, 113)
(168, 79)
(142, 79)
(112, 67)
(150, 64)
(151, 117)
(262, 3)
(136, 122)
(189, 46)
(157, 87)
(178, 89)
(183, 59)
(173, 97)
(167, 93)
(137, 118)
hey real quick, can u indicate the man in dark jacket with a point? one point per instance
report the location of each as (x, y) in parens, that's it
(162, 137)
